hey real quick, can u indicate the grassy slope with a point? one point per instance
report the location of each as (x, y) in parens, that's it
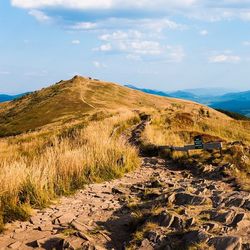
(74, 99)
(178, 128)
(74, 155)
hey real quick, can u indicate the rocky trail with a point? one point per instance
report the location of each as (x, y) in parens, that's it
(167, 206)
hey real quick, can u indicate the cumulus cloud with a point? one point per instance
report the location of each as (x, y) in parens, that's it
(39, 15)
(104, 47)
(212, 10)
(143, 47)
(83, 26)
(224, 58)
(121, 35)
(98, 64)
(156, 25)
(103, 4)
(136, 45)
(76, 42)
(74, 4)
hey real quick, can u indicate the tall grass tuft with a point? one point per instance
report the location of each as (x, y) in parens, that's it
(64, 165)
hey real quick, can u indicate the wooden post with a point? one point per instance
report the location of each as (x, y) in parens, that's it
(221, 154)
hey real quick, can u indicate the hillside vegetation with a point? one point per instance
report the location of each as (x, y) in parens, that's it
(35, 170)
(68, 101)
(178, 128)
(238, 102)
(56, 140)
(234, 115)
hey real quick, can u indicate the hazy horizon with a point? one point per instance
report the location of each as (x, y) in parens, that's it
(141, 86)
(164, 45)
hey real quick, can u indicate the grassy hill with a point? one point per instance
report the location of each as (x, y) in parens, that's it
(75, 132)
(234, 102)
(234, 115)
(71, 100)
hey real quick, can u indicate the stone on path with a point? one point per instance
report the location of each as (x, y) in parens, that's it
(165, 219)
(195, 237)
(246, 205)
(66, 218)
(145, 245)
(188, 199)
(15, 245)
(226, 243)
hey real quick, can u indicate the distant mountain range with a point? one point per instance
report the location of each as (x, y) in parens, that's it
(216, 98)
(6, 98)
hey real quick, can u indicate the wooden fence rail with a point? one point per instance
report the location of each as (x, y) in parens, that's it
(187, 148)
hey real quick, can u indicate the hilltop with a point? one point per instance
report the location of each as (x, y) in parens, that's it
(76, 99)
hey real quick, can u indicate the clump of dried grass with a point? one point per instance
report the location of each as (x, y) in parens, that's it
(64, 165)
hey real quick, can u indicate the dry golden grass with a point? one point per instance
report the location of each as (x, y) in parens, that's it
(39, 172)
(78, 99)
(178, 127)
(76, 139)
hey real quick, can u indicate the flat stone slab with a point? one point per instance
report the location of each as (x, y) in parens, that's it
(226, 243)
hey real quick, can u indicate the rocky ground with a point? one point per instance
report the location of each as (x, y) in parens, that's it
(159, 206)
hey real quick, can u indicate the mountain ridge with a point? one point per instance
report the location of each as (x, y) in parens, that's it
(235, 101)
(6, 98)
(73, 99)
(70, 100)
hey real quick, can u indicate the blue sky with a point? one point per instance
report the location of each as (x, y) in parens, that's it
(160, 44)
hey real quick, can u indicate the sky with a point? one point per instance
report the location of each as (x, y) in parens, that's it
(160, 44)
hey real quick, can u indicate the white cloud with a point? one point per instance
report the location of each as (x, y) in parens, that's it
(224, 58)
(76, 42)
(137, 38)
(104, 47)
(158, 25)
(245, 15)
(212, 10)
(83, 26)
(144, 47)
(104, 4)
(203, 32)
(98, 64)
(137, 45)
(39, 15)
(121, 35)
(73, 4)
(155, 25)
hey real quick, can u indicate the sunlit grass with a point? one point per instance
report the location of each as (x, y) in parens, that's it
(178, 128)
(41, 171)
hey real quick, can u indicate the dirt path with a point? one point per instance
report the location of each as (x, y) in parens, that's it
(194, 207)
